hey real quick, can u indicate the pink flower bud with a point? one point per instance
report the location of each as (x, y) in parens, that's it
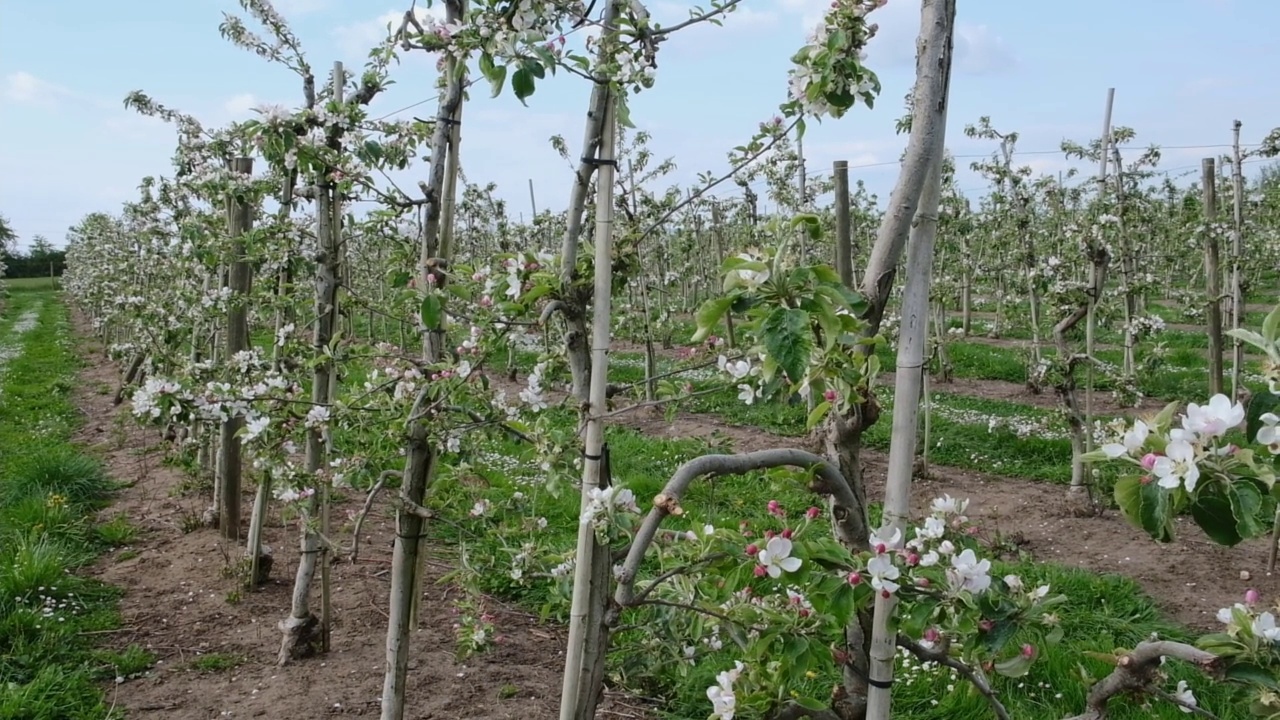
(886, 594)
(812, 513)
(829, 396)
(1251, 596)
(1149, 461)
(931, 635)
(1028, 651)
(922, 582)
(880, 548)
(804, 612)
(787, 533)
(752, 550)
(759, 571)
(854, 578)
(775, 508)
(912, 559)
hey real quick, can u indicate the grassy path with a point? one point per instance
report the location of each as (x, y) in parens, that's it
(49, 491)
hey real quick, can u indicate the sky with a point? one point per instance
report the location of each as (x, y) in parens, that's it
(1183, 71)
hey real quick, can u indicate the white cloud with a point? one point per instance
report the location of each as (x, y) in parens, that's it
(357, 39)
(979, 51)
(241, 106)
(26, 89)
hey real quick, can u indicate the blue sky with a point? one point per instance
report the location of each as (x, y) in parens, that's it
(1183, 71)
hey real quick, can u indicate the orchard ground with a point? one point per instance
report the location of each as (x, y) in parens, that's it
(213, 643)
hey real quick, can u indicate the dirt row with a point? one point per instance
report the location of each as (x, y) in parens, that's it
(178, 604)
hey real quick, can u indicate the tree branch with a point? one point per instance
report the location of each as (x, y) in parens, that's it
(667, 502)
(975, 677)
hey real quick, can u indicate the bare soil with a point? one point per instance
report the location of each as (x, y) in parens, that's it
(178, 602)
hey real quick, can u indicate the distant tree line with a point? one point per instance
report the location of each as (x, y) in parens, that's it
(40, 260)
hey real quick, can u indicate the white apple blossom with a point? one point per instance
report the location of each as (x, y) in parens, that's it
(1269, 434)
(1177, 467)
(883, 573)
(1131, 443)
(723, 701)
(1214, 419)
(1186, 697)
(969, 573)
(776, 558)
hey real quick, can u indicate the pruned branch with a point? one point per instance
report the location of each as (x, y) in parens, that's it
(1136, 672)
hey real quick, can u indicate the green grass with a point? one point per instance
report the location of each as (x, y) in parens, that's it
(1105, 612)
(49, 667)
(40, 284)
(216, 662)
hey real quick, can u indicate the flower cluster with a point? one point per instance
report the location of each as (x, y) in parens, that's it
(1173, 456)
(828, 77)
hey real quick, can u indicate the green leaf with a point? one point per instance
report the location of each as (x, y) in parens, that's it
(1128, 495)
(809, 703)
(1094, 456)
(815, 416)
(432, 312)
(1165, 416)
(811, 224)
(794, 648)
(622, 113)
(1260, 404)
(1249, 673)
(1253, 339)
(522, 85)
(1249, 507)
(740, 263)
(1055, 635)
(534, 68)
(1001, 632)
(1145, 505)
(1271, 325)
(843, 602)
(1013, 667)
(785, 333)
(708, 316)
(825, 274)
(1212, 512)
(1156, 512)
(461, 292)
(495, 74)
